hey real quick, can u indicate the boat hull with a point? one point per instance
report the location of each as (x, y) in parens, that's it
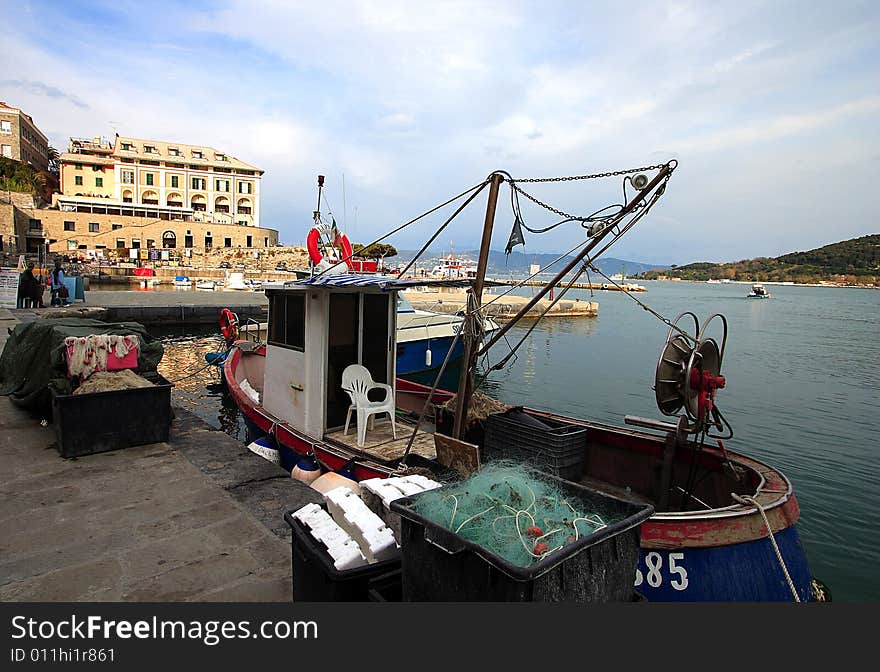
(412, 357)
(723, 554)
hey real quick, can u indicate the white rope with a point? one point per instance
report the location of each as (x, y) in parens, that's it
(754, 502)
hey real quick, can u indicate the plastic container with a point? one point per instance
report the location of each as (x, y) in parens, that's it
(548, 445)
(438, 565)
(315, 579)
(385, 588)
(101, 421)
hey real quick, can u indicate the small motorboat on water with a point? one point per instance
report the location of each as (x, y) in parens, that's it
(206, 284)
(723, 526)
(759, 292)
(182, 281)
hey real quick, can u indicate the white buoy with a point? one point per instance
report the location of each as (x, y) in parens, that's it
(428, 357)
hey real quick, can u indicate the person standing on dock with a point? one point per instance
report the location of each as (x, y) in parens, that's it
(59, 289)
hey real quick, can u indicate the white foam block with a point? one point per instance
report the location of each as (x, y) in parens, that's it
(369, 530)
(344, 550)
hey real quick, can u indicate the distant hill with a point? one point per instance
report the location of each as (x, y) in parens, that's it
(518, 263)
(855, 261)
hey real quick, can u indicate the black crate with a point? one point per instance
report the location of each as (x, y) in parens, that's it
(439, 565)
(550, 445)
(315, 579)
(386, 588)
(101, 421)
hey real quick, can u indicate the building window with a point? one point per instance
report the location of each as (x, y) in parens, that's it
(209, 242)
(114, 226)
(175, 181)
(173, 151)
(241, 222)
(6, 150)
(198, 155)
(136, 243)
(120, 243)
(149, 149)
(198, 183)
(250, 242)
(35, 225)
(78, 180)
(70, 226)
(99, 181)
(227, 242)
(221, 157)
(6, 127)
(244, 187)
(78, 166)
(94, 227)
(127, 176)
(126, 146)
(150, 243)
(149, 179)
(222, 185)
(265, 242)
(97, 169)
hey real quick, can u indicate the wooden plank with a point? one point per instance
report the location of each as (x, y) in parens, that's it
(461, 456)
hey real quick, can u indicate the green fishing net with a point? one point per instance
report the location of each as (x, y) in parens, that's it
(515, 512)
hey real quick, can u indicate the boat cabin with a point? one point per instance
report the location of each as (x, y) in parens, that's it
(317, 328)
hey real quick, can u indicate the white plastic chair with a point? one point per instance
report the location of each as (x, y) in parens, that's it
(357, 382)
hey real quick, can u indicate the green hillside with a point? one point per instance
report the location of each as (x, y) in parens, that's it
(852, 262)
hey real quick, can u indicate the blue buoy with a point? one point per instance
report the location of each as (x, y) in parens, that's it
(347, 470)
(216, 358)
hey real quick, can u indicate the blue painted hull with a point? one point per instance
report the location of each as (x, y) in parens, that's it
(746, 572)
(411, 355)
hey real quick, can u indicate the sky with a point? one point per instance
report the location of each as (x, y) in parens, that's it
(770, 108)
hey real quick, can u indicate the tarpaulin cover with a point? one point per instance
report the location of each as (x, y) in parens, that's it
(35, 357)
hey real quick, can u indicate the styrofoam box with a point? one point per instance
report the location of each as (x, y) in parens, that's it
(344, 550)
(378, 493)
(376, 540)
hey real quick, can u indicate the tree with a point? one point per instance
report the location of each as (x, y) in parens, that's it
(52, 155)
(375, 250)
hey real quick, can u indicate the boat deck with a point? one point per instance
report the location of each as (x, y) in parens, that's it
(382, 445)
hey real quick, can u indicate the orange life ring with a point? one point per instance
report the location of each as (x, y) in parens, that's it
(340, 241)
(228, 325)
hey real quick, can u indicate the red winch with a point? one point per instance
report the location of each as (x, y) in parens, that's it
(704, 383)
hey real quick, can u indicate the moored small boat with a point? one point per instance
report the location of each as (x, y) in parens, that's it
(206, 284)
(759, 292)
(724, 527)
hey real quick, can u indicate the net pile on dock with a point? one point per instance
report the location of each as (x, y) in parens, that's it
(109, 381)
(512, 511)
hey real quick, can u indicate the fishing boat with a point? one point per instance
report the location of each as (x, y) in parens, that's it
(759, 292)
(452, 267)
(725, 524)
(182, 281)
(206, 284)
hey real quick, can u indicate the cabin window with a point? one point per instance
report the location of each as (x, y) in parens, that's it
(287, 321)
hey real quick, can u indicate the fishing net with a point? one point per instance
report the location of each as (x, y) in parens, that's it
(481, 406)
(514, 512)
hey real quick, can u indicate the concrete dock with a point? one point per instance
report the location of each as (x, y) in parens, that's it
(159, 307)
(502, 308)
(196, 519)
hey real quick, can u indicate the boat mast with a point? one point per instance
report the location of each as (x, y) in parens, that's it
(472, 319)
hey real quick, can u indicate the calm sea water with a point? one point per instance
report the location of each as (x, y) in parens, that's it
(802, 394)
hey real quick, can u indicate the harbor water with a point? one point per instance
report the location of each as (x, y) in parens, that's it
(802, 394)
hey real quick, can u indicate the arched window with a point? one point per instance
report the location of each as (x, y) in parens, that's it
(127, 196)
(169, 240)
(150, 198)
(198, 202)
(174, 200)
(221, 204)
(244, 206)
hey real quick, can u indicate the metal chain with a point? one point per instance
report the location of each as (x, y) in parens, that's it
(571, 178)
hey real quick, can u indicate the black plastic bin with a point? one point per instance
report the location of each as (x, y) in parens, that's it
(440, 566)
(549, 445)
(386, 588)
(100, 421)
(315, 579)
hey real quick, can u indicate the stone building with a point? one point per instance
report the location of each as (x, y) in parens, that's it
(20, 139)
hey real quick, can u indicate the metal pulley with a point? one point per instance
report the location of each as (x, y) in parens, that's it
(689, 373)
